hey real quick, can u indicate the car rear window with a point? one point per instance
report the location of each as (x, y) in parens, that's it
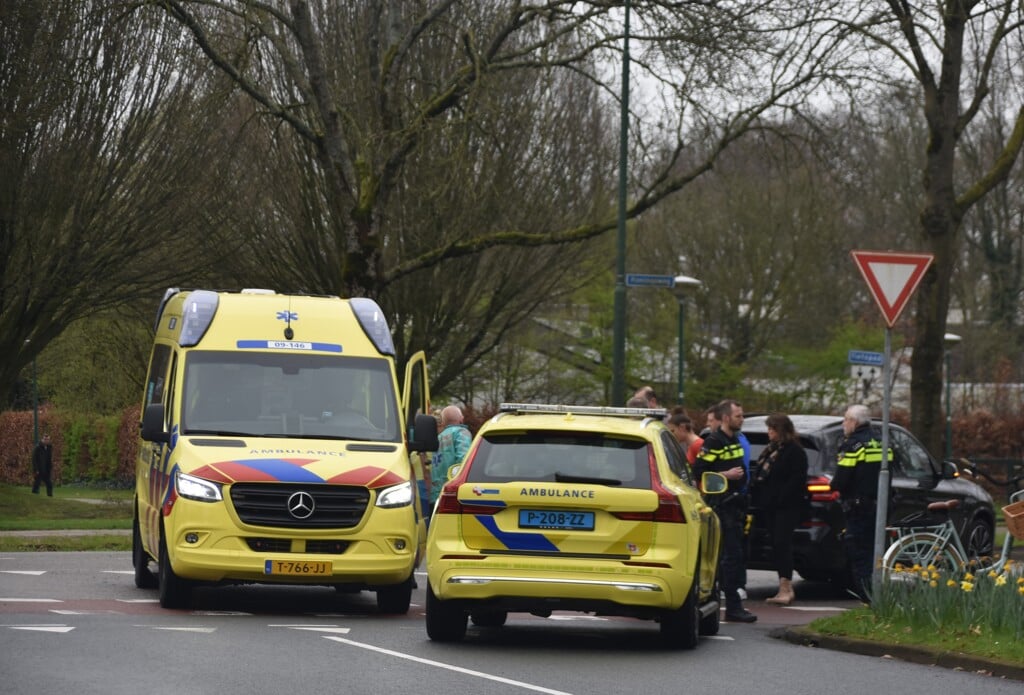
(817, 464)
(561, 457)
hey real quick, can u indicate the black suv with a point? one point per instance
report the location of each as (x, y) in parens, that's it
(916, 480)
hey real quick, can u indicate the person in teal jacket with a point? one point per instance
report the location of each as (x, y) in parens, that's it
(453, 445)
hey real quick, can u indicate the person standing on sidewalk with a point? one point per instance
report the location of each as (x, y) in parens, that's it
(453, 445)
(42, 466)
(723, 454)
(856, 481)
(780, 487)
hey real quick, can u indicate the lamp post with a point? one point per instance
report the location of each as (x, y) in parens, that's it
(619, 309)
(950, 341)
(680, 288)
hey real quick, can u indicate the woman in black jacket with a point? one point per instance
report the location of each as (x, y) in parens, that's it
(781, 476)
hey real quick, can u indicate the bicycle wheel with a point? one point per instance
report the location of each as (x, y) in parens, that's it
(920, 550)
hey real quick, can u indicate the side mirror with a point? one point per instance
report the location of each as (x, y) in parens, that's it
(153, 424)
(424, 433)
(950, 470)
(713, 483)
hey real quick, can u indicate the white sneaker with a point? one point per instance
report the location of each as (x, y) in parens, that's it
(743, 593)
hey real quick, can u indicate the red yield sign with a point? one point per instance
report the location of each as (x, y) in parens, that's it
(892, 277)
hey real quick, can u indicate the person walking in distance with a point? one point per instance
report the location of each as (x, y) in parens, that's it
(453, 445)
(856, 481)
(723, 454)
(780, 485)
(42, 465)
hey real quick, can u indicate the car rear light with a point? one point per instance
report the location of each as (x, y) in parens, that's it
(820, 490)
(669, 509)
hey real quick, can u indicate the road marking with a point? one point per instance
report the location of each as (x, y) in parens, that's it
(172, 628)
(570, 618)
(34, 573)
(30, 600)
(457, 669)
(138, 600)
(318, 628)
(814, 608)
(724, 638)
(42, 628)
(118, 571)
(220, 613)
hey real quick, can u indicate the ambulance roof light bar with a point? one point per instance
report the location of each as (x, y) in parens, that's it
(658, 413)
(371, 318)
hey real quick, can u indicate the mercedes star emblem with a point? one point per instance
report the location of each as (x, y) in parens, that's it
(301, 505)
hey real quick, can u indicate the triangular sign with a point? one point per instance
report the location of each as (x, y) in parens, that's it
(892, 278)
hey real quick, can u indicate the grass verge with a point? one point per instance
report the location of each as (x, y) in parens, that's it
(71, 507)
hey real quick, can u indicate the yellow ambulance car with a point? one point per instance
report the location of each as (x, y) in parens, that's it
(275, 447)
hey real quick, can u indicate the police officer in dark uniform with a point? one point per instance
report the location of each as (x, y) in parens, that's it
(722, 453)
(856, 481)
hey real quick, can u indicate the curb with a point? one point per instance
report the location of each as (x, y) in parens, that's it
(956, 661)
(56, 533)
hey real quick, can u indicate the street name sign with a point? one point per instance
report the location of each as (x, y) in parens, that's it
(640, 280)
(892, 277)
(870, 359)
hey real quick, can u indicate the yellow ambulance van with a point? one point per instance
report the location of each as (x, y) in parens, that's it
(275, 447)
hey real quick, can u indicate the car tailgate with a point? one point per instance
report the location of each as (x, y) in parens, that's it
(556, 518)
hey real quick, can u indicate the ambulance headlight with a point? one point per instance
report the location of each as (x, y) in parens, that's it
(395, 496)
(193, 488)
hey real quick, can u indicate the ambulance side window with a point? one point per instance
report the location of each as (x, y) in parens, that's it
(417, 399)
(169, 410)
(156, 381)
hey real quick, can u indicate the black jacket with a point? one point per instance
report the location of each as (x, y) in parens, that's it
(860, 461)
(42, 458)
(782, 476)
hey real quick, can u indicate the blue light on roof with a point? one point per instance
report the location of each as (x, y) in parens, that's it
(197, 314)
(371, 318)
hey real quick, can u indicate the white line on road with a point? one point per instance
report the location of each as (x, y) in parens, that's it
(439, 664)
(30, 600)
(34, 573)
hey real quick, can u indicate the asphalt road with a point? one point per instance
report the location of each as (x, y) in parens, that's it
(75, 623)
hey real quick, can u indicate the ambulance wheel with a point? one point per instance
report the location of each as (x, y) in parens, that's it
(681, 627)
(175, 592)
(444, 622)
(144, 578)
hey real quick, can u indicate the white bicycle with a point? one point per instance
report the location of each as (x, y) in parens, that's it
(939, 546)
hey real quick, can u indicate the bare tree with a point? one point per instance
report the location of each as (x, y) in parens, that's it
(952, 51)
(376, 91)
(102, 151)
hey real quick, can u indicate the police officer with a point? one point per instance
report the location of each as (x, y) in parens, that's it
(42, 465)
(722, 453)
(856, 481)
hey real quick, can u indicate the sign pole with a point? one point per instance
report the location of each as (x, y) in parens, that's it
(882, 505)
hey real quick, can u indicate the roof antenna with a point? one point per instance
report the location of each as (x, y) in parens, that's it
(288, 332)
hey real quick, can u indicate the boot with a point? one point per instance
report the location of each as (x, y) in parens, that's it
(785, 595)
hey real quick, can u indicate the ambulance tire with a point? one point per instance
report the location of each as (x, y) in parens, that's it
(444, 622)
(175, 592)
(681, 628)
(144, 578)
(395, 599)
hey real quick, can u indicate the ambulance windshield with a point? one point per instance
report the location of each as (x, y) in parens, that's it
(289, 394)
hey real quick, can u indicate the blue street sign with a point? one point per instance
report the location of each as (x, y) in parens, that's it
(871, 359)
(638, 280)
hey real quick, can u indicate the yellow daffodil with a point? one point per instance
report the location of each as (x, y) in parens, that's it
(933, 583)
(968, 577)
(967, 586)
(1001, 580)
(950, 582)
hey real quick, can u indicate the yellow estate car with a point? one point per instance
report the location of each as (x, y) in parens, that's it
(574, 508)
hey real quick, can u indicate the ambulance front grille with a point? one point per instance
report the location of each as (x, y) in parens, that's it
(280, 505)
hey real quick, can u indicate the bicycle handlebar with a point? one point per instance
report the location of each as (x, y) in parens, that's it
(974, 470)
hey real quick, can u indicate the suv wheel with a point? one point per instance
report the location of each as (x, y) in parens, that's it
(681, 627)
(444, 622)
(979, 540)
